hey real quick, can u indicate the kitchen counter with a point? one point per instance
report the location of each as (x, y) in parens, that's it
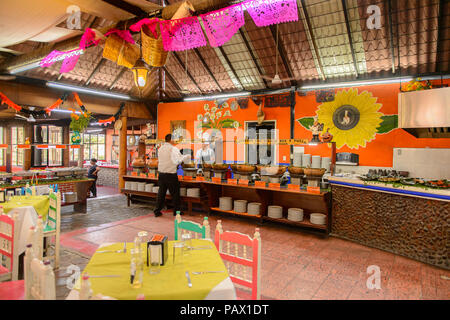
(408, 221)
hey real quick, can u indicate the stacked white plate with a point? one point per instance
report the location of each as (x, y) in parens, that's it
(275, 212)
(254, 208)
(298, 159)
(316, 161)
(128, 185)
(183, 192)
(306, 160)
(326, 162)
(155, 189)
(193, 192)
(141, 186)
(133, 185)
(295, 214)
(149, 187)
(317, 218)
(226, 203)
(240, 206)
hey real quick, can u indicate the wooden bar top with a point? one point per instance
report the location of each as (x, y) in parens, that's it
(281, 189)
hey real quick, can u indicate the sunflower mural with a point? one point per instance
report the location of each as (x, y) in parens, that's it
(353, 119)
(217, 116)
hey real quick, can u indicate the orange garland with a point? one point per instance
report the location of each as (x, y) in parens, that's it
(9, 102)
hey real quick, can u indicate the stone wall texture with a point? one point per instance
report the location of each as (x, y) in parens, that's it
(413, 227)
(108, 177)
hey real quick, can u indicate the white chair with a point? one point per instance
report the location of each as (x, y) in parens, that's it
(8, 248)
(86, 291)
(238, 262)
(53, 227)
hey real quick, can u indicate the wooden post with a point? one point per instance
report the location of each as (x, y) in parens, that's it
(8, 153)
(66, 151)
(123, 152)
(28, 131)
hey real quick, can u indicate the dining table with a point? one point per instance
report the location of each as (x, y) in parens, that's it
(28, 209)
(109, 274)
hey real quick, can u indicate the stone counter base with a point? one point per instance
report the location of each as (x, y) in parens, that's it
(412, 227)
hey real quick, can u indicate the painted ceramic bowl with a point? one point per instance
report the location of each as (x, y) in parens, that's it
(247, 168)
(313, 172)
(189, 165)
(296, 170)
(273, 170)
(152, 163)
(207, 166)
(220, 166)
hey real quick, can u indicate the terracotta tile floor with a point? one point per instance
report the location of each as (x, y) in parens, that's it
(295, 265)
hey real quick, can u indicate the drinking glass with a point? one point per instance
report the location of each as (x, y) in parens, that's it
(187, 240)
(154, 259)
(178, 251)
(136, 268)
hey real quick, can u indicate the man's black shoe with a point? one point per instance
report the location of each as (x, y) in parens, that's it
(157, 214)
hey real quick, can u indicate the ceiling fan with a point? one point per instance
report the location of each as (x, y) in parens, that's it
(185, 89)
(276, 79)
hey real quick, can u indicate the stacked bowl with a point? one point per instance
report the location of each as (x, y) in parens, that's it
(149, 187)
(155, 189)
(295, 214)
(193, 192)
(275, 212)
(240, 206)
(141, 186)
(254, 208)
(226, 203)
(318, 218)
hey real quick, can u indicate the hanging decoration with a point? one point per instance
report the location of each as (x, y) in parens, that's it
(182, 34)
(278, 100)
(48, 110)
(92, 118)
(268, 12)
(221, 25)
(70, 58)
(123, 34)
(242, 102)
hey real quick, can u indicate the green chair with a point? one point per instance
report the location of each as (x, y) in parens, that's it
(189, 226)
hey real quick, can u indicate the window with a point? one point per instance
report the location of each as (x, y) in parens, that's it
(51, 135)
(94, 147)
(2, 151)
(17, 137)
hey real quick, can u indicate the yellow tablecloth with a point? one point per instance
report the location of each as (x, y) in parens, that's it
(39, 203)
(169, 284)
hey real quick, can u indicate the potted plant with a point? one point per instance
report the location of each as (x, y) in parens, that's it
(78, 125)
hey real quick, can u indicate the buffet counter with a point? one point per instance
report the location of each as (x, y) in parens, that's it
(267, 196)
(108, 175)
(404, 220)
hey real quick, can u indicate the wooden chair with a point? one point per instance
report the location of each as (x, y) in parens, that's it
(182, 227)
(238, 264)
(9, 257)
(53, 227)
(39, 282)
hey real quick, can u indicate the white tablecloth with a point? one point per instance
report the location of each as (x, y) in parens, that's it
(223, 291)
(27, 217)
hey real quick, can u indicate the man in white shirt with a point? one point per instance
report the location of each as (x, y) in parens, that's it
(169, 157)
(205, 154)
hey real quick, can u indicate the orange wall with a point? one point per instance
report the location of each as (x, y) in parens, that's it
(378, 152)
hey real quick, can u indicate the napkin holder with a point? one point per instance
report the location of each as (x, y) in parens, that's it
(158, 243)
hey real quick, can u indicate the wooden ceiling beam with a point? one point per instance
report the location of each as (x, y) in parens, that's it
(350, 38)
(391, 34)
(172, 79)
(231, 66)
(118, 76)
(199, 56)
(443, 8)
(128, 7)
(175, 55)
(97, 67)
(255, 61)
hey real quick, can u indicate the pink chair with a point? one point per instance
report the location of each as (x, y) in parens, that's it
(238, 270)
(8, 252)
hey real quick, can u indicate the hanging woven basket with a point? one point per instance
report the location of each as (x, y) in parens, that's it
(153, 51)
(121, 52)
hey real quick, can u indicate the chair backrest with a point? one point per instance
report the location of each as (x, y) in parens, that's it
(195, 229)
(54, 212)
(234, 248)
(39, 278)
(35, 238)
(8, 244)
